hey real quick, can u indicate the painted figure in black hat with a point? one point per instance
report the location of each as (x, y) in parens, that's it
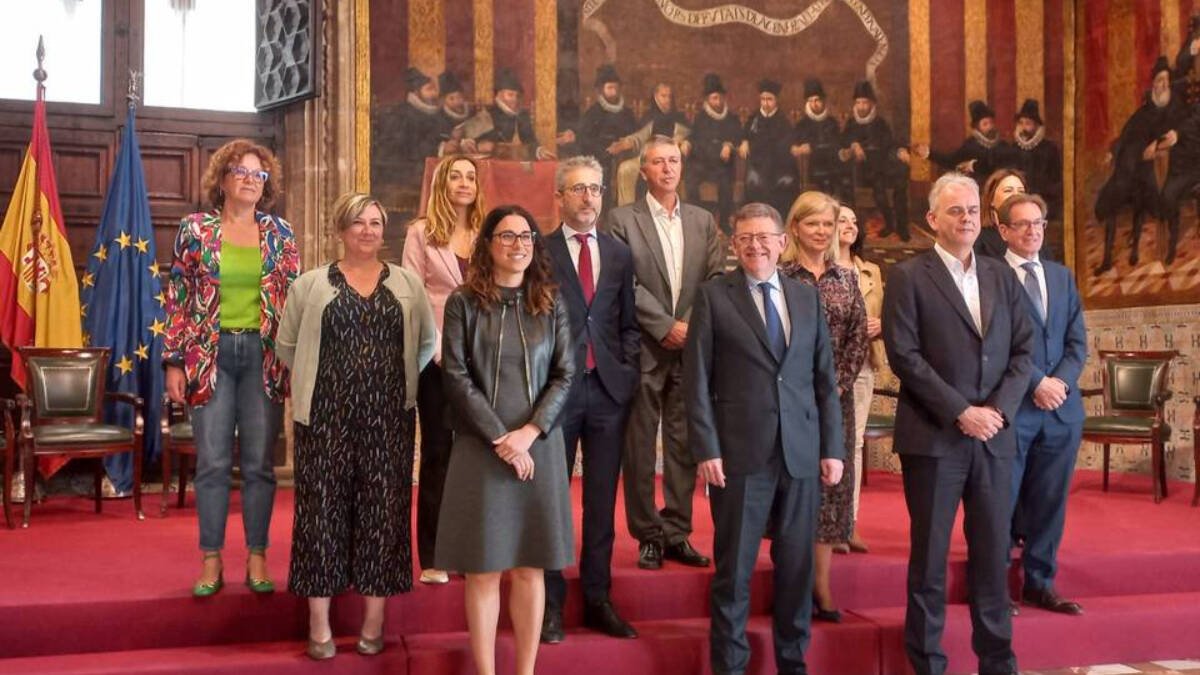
(604, 125)
(770, 168)
(455, 110)
(982, 152)
(1150, 130)
(503, 129)
(882, 163)
(662, 119)
(716, 134)
(1037, 157)
(819, 139)
(411, 131)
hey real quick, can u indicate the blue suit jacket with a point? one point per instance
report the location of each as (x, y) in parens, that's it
(1059, 347)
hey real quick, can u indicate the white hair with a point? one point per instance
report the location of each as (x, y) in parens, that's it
(945, 181)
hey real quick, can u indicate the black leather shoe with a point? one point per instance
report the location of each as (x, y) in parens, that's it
(1050, 601)
(828, 615)
(552, 627)
(650, 555)
(602, 616)
(684, 554)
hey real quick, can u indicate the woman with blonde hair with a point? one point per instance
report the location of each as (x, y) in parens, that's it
(437, 249)
(811, 257)
(356, 334)
(230, 274)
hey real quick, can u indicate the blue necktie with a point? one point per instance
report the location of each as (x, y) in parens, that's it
(774, 324)
(1033, 288)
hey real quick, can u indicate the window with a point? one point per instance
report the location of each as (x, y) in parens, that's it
(71, 30)
(200, 54)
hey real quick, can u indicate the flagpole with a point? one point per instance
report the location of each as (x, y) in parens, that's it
(39, 74)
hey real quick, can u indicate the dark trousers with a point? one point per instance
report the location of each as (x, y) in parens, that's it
(893, 208)
(595, 419)
(933, 488)
(1045, 462)
(740, 513)
(659, 397)
(436, 440)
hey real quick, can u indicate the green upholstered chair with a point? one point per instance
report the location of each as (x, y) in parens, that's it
(177, 439)
(8, 453)
(1134, 386)
(62, 414)
(878, 426)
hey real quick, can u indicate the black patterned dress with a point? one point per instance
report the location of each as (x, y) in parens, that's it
(846, 314)
(354, 462)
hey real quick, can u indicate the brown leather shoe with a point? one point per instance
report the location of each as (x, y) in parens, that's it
(1050, 601)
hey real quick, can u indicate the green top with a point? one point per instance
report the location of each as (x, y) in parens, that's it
(241, 281)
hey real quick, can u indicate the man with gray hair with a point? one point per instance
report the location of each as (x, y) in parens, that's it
(959, 338)
(594, 272)
(765, 425)
(675, 249)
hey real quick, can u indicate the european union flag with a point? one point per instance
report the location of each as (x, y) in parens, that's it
(122, 301)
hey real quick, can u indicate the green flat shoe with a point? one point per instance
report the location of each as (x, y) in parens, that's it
(262, 586)
(204, 589)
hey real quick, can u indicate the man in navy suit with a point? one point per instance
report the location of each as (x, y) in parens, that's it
(595, 278)
(959, 338)
(1050, 421)
(765, 426)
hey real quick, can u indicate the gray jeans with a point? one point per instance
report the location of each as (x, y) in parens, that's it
(239, 408)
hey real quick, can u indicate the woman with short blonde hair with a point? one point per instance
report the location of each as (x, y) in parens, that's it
(356, 333)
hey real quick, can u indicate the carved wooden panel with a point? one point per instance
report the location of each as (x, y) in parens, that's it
(287, 64)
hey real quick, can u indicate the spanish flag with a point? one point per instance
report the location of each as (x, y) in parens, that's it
(39, 296)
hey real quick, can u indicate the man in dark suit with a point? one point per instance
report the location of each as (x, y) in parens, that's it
(595, 278)
(959, 338)
(674, 249)
(1050, 421)
(765, 424)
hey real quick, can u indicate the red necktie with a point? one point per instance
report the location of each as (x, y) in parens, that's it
(588, 284)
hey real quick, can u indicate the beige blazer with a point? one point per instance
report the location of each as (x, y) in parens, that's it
(870, 284)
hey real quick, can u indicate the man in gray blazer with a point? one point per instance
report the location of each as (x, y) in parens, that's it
(675, 248)
(765, 424)
(959, 338)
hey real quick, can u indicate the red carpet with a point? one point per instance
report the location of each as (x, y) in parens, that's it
(87, 593)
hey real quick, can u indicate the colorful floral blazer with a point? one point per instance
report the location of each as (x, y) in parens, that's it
(193, 301)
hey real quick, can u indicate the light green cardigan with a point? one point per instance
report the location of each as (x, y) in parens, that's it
(299, 340)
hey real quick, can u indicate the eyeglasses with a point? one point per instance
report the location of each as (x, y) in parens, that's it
(579, 189)
(1025, 225)
(242, 173)
(510, 238)
(761, 238)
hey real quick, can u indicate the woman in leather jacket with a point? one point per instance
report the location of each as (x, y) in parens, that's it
(508, 363)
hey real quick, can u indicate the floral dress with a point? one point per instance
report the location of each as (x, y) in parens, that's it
(846, 314)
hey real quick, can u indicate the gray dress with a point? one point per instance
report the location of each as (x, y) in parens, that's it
(490, 520)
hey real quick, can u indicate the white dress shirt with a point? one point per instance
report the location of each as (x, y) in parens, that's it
(966, 279)
(1015, 261)
(670, 235)
(776, 298)
(573, 247)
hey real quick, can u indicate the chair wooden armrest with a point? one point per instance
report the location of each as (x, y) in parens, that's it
(126, 397)
(1161, 399)
(890, 393)
(1091, 392)
(26, 405)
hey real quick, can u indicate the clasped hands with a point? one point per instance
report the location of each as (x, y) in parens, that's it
(1050, 393)
(980, 422)
(513, 448)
